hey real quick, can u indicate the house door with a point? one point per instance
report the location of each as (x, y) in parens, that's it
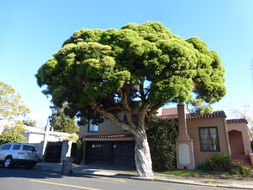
(53, 152)
(236, 142)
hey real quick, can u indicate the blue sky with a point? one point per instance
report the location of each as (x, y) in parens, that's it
(31, 31)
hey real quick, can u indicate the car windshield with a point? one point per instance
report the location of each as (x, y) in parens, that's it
(29, 148)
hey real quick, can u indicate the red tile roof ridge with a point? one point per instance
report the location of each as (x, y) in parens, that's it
(108, 136)
(241, 120)
(215, 114)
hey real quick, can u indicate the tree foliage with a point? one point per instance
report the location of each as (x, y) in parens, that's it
(134, 70)
(13, 134)
(29, 122)
(11, 105)
(147, 61)
(73, 137)
(199, 107)
(61, 122)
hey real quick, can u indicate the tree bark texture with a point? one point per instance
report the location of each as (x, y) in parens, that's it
(143, 161)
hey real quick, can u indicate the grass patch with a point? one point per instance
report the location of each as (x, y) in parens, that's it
(196, 173)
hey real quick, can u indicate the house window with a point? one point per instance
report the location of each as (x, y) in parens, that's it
(209, 141)
(93, 127)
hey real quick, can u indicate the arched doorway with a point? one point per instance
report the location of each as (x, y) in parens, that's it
(236, 142)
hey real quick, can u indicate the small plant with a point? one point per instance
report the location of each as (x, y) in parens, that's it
(240, 169)
(203, 166)
(224, 163)
(220, 162)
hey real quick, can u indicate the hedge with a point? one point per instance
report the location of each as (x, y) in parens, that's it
(161, 137)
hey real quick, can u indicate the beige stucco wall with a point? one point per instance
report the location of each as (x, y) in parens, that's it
(193, 131)
(243, 128)
(105, 128)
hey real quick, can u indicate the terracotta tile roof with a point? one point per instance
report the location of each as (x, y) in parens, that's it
(108, 136)
(215, 114)
(237, 121)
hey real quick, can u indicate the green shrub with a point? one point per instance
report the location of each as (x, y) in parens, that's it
(224, 163)
(79, 152)
(161, 138)
(220, 162)
(240, 169)
(203, 166)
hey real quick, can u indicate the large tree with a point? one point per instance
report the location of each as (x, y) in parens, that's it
(11, 105)
(133, 70)
(62, 122)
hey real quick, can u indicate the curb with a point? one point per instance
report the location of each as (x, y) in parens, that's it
(124, 176)
(187, 182)
(199, 184)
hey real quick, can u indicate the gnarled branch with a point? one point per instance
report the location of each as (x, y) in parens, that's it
(110, 116)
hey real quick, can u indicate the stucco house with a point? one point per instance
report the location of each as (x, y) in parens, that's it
(200, 136)
(107, 144)
(239, 139)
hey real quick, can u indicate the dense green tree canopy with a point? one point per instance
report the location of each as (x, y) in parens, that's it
(11, 105)
(146, 61)
(134, 70)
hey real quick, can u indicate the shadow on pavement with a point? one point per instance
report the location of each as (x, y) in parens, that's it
(28, 173)
(36, 173)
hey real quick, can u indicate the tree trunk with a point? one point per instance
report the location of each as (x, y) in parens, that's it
(143, 161)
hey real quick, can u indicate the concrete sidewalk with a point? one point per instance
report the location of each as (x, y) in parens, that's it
(108, 171)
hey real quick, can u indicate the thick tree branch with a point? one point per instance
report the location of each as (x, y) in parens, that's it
(125, 104)
(114, 108)
(142, 115)
(143, 94)
(124, 97)
(110, 116)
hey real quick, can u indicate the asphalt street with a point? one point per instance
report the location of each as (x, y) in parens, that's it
(23, 179)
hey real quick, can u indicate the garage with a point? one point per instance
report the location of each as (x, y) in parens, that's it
(53, 152)
(116, 153)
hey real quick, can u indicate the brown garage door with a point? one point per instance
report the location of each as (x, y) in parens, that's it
(98, 153)
(123, 154)
(119, 154)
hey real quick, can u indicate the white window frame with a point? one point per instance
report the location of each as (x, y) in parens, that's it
(92, 128)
